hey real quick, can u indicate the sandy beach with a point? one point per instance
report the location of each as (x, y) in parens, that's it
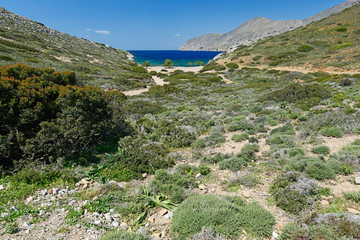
(172, 69)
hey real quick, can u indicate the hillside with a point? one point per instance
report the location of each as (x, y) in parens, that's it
(32, 43)
(255, 30)
(332, 44)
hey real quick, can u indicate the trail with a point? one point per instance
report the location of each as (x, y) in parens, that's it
(157, 80)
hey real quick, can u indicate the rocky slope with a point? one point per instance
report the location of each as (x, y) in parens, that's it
(256, 29)
(25, 41)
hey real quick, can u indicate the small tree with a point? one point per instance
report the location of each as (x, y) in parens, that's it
(168, 63)
(146, 64)
(190, 63)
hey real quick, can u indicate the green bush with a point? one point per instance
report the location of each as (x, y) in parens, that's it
(142, 156)
(341, 29)
(173, 186)
(216, 158)
(332, 132)
(293, 192)
(305, 48)
(250, 149)
(240, 137)
(235, 163)
(293, 231)
(115, 235)
(232, 65)
(224, 214)
(320, 170)
(355, 196)
(212, 140)
(324, 150)
(287, 129)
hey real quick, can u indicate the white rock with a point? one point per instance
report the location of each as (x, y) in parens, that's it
(144, 175)
(115, 224)
(2, 187)
(97, 222)
(108, 217)
(357, 180)
(124, 226)
(275, 235)
(4, 215)
(354, 211)
(26, 224)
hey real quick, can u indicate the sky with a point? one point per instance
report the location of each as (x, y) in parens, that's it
(157, 24)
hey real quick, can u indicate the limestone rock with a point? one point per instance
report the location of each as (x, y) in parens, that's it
(354, 211)
(357, 180)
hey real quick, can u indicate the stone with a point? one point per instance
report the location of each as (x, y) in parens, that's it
(124, 226)
(97, 222)
(117, 215)
(354, 211)
(108, 217)
(157, 235)
(202, 187)
(275, 235)
(163, 211)
(26, 224)
(2, 187)
(144, 175)
(198, 175)
(324, 203)
(357, 180)
(115, 224)
(246, 194)
(29, 199)
(4, 215)
(151, 220)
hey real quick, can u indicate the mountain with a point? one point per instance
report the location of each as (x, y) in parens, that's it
(25, 41)
(331, 44)
(254, 30)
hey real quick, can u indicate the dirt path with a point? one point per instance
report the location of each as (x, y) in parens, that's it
(157, 80)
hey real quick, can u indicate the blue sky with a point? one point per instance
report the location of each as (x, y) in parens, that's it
(157, 24)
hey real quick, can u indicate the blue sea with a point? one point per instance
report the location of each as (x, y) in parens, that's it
(180, 58)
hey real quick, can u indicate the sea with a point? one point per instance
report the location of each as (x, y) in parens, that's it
(180, 58)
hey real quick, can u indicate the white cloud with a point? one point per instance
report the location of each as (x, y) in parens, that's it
(177, 35)
(106, 32)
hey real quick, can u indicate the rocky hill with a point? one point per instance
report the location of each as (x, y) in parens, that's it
(254, 30)
(25, 41)
(331, 44)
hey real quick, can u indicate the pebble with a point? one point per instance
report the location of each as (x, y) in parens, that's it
(246, 194)
(26, 224)
(115, 224)
(4, 215)
(324, 203)
(275, 235)
(357, 180)
(2, 187)
(112, 182)
(163, 211)
(202, 187)
(124, 226)
(117, 215)
(97, 222)
(144, 175)
(108, 217)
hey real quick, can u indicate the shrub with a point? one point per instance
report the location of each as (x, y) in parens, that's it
(332, 132)
(248, 180)
(355, 196)
(240, 137)
(320, 170)
(44, 117)
(216, 158)
(324, 150)
(235, 163)
(293, 192)
(212, 140)
(115, 235)
(224, 214)
(6, 58)
(293, 231)
(172, 185)
(287, 129)
(142, 156)
(250, 149)
(305, 48)
(232, 66)
(341, 29)
(342, 45)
